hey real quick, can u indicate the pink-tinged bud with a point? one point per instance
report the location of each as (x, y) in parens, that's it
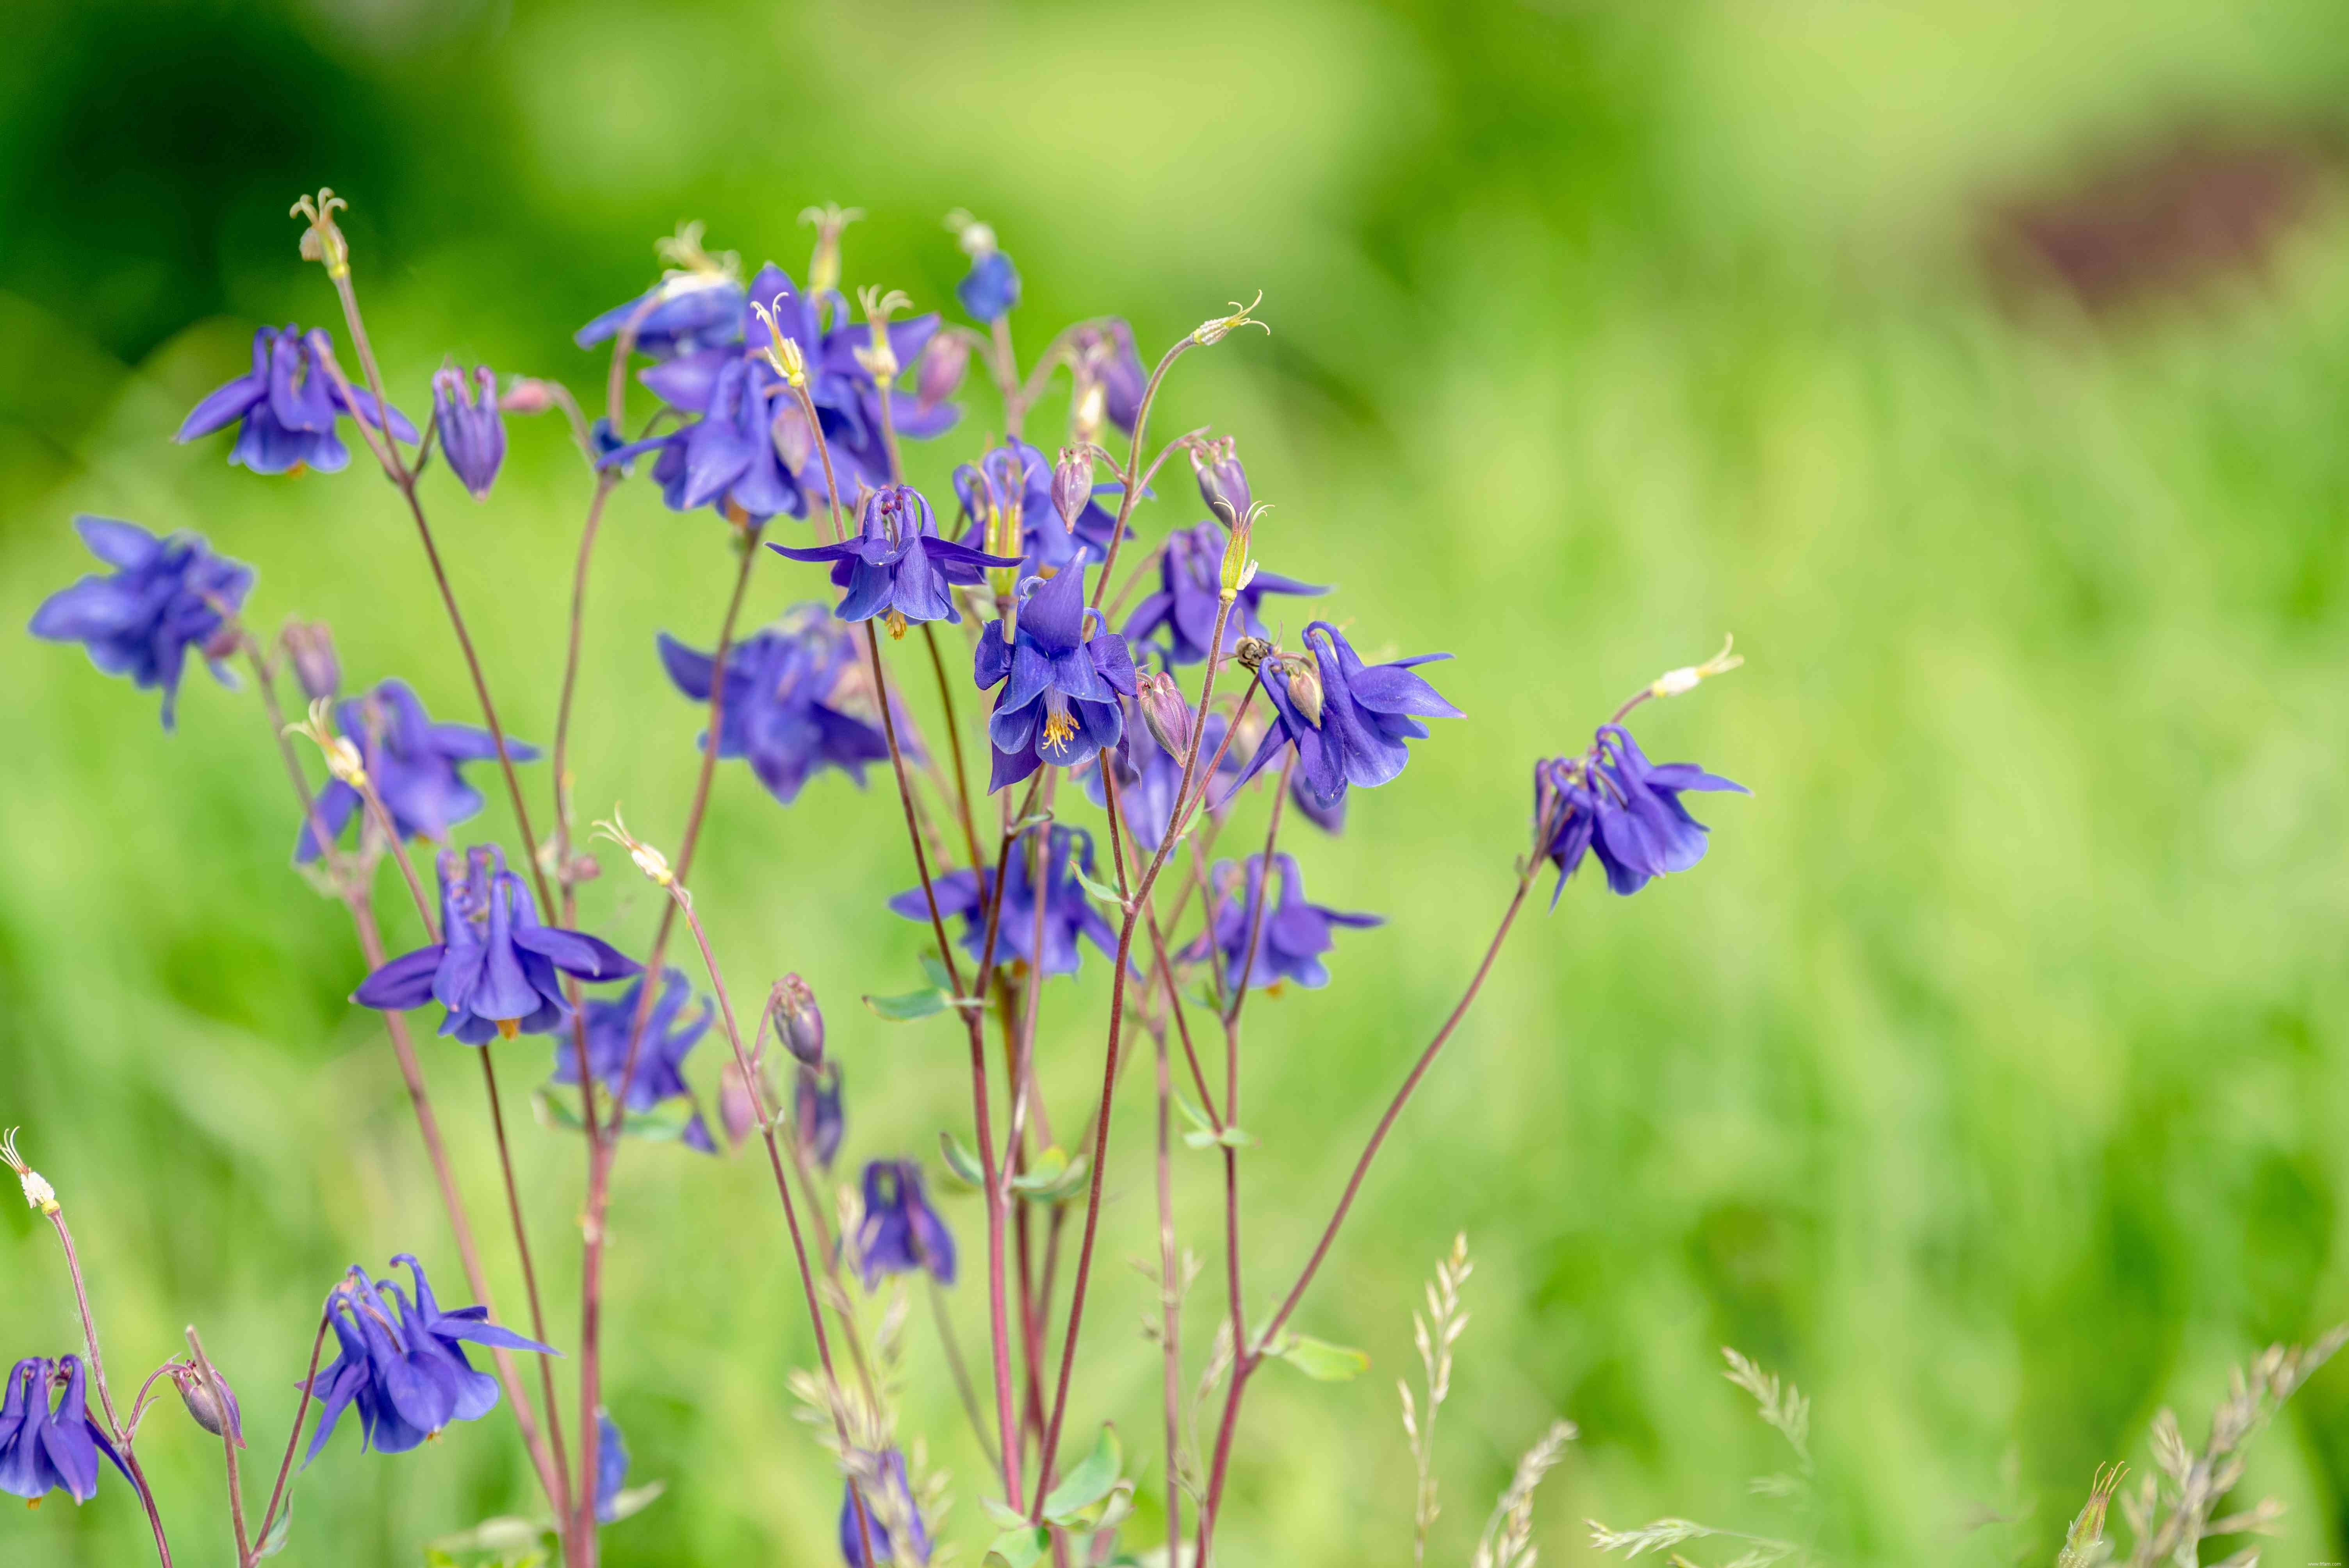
(205, 1410)
(1163, 712)
(528, 395)
(1305, 688)
(736, 1107)
(794, 443)
(310, 648)
(224, 642)
(940, 373)
(1072, 484)
(799, 1022)
(1223, 483)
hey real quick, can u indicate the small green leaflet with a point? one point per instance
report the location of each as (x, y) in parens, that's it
(559, 1111)
(961, 1163)
(1320, 1360)
(1019, 1548)
(1053, 1178)
(634, 1499)
(1203, 1133)
(1087, 1484)
(913, 1004)
(1101, 890)
(280, 1530)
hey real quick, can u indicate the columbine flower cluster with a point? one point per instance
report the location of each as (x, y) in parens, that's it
(779, 402)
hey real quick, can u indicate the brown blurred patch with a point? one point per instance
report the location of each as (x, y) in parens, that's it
(2164, 220)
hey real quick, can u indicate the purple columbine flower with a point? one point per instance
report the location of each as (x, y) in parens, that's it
(1059, 702)
(1330, 818)
(1612, 802)
(1010, 487)
(1108, 348)
(495, 967)
(990, 288)
(289, 406)
(402, 1362)
(1347, 720)
(1292, 935)
(415, 764)
(685, 312)
(1069, 912)
(610, 1466)
(816, 1112)
(472, 431)
(163, 597)
(660, 1052)
(43, 1448)
(901, 1233)
(897, 566)
(1189, 589)
(780, 711)
(900, 1505)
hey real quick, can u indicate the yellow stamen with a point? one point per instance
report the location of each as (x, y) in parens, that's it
(896, 624)
(1059, 729)
(509, 1027)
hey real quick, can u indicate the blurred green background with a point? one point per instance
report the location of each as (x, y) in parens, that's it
(1985, 1080)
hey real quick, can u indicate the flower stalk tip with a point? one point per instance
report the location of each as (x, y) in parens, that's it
(1674, 683)
(323, 240)
(38, 1193)
(650, 861)
(1209, 333)
(342, 757)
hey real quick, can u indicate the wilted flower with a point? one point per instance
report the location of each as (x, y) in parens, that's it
(1611, 801)
(816, 1112)
(472, 431)
(414, 764)
(163, 597)
(780, 713)
(901, 1233)
(1059, 703)
(799, 1022)
(891, 1466)
(402, 1363)
(495, 967)
(1366, 715)
(1189, 589)
(1292, 935)
(897, 566)
(1009, 494)
(43, 1447)
(289, 404)
(661, 1049)
(1069, 911)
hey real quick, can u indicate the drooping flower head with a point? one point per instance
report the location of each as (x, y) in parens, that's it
(894, 1501)
(991, 287)
(495, 968)
(472, 431)
(1067, 911)
(1612, 802)
(897, 566)
(1060, 688)
(401, 1362)
(1107, 348)
(783, 690)
(415, 764)
(1348, 720)
(163, 597)
(611, 1467)
(1189, 589)
(288, 404)
(1007, 502)
(1291, 933)
(901, 1233)
(44, 1447)
(816, 1113)
(661, 1049)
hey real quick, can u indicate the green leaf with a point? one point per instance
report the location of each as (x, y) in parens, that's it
(961, 1163)
(1053, 1177)
(1032, 819)
(1019, 1548)
(1320, 1360)
(1003, 1513)
(937, 972)
(1101, 890)
(1089, 1481)
(911, 1005)
(557, 1110)
(280, 1530)
(1203, 1133)
(505, 1533)
(634, 1499)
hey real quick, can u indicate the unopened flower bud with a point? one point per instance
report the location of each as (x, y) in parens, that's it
(310, 648)
(224, 642)
(528, 395)
(472, 431)
(794, 443)
(1163, 712)
(1304, 688)
(799, 1022)
(738, 1108)
(816, 1112)
(939, 374)
(1223, 483)
(196, 1394)
(1088, 407)
(1072, 484)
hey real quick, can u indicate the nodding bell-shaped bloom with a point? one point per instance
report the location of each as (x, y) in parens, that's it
(1612, 802)
(990, 288)
(687, 310)
(611, 1467)
(782, 711)
(816, 1112)
(1347, 720)
(1107, 349)
(1060, 688)
(1190, 588)
(661, 1049)
(495, 968)
(310, 649)
(1223, 483)
(897, 566)
(897, 1503)
(1067, 911)
(1008, 494)
(1292, 935)
(401, 1362)
(1331, 818)
(901, 1233)
(288, 404)
(415, 764)
(1148, 773)
(472, 429)
(163, 597)
(43, 1448)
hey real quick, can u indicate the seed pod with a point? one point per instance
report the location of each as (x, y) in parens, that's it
(311, 648)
